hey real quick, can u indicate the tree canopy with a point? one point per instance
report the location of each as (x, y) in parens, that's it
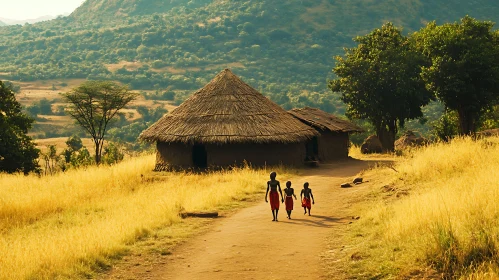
(379, 80)
(94, 104)
(464, 69)
(17, 150)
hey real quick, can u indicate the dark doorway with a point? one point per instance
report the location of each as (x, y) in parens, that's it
(312, 148)
(199, 157)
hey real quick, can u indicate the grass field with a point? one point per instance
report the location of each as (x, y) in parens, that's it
(69, 224)
(434, 214)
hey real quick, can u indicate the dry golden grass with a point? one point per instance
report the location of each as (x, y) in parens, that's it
(60, 143)
(354, 151)
(64, 225)
(32, 92)
(445, 217)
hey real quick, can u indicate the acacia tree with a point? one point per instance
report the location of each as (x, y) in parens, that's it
(379, 80)
(94, 104)
(464, 69)
(17, 150)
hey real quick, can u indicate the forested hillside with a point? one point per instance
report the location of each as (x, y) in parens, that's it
(283, 48)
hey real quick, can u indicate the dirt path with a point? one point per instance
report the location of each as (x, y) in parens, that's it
(248, 245)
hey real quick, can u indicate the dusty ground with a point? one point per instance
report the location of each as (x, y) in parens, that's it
(248, 245)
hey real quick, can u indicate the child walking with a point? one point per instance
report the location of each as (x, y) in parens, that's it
(290, 192)
(305, 196)
(273, 185)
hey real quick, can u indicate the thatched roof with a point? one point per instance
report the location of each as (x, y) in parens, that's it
(324, 121)
(227, 110)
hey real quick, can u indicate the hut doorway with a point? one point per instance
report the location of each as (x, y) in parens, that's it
(199, 156)
(312, 149)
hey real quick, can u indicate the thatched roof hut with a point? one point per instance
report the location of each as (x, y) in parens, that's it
(324, 121)
(333, 142)
(224, 123)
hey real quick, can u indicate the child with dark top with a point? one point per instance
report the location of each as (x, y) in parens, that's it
(273, 185)
(305, 195)
(290, 192)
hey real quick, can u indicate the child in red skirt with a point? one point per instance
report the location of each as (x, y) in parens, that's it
(273, 185)
(290, 192)
(305, 196)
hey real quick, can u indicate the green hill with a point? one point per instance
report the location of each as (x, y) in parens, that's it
(283, 48)
(2, 24)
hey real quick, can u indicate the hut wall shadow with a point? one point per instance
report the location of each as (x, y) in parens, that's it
(179, 156)
(333, 146)
(169, 155)
(257, 155)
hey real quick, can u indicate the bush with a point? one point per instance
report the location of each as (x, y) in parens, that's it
(446, 127)
(112, 154)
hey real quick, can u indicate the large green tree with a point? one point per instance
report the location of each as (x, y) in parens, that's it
(94, 104)
(464, 69)
(17, 150)
(379, 80)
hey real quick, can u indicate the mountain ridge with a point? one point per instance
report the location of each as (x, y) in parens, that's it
(8, 21)
(283, 48)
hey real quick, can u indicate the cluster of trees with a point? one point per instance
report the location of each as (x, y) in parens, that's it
(44, 107)
(93, 105)
(389, 77)
(76, 155)
(17, 150)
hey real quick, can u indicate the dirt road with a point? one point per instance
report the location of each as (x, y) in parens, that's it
(248, 245)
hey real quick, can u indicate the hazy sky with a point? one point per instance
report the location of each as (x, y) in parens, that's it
(29, 9)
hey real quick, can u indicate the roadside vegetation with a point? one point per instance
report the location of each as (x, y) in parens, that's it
(433, 214)
(72, 224)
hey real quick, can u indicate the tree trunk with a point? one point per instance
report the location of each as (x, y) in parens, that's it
(387, 136)
(97, 152)
(467, 124)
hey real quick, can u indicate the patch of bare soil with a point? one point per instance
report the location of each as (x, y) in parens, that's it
(248, 245)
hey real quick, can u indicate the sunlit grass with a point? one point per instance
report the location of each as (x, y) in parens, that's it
(68, 223)
(354, 151)
(448, 221)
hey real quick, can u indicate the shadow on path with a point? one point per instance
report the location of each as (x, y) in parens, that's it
(314, 220)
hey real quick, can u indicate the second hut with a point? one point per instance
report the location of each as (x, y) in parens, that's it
(333, 142)
(226, 123)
